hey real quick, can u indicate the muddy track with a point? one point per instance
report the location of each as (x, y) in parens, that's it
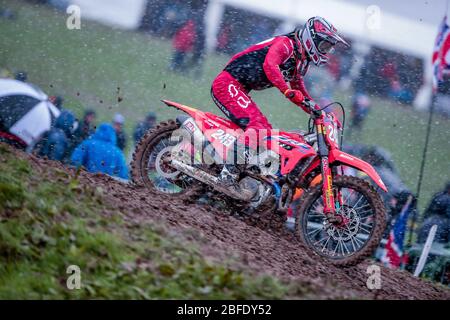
(222, 236)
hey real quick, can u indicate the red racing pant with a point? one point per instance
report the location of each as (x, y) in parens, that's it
(232, 98)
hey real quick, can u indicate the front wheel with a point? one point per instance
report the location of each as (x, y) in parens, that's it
(363, 215)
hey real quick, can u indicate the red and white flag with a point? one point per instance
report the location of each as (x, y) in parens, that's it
(441, 54)
(393, 254)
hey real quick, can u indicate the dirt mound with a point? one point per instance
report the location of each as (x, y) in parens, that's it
(223, 237)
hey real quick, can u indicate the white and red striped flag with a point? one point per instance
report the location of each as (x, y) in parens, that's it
(441, 54)
(393, 254)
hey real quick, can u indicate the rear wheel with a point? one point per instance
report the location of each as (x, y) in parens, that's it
(150, 167)
(346, 243)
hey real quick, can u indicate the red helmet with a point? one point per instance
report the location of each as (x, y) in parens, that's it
(318, 38)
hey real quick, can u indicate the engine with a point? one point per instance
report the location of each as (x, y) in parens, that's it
(261, 190)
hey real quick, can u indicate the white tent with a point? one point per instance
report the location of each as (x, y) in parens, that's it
(408, 27)
(125, 14)
(405, 26)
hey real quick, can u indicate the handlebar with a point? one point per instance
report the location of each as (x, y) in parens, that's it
(311, 106)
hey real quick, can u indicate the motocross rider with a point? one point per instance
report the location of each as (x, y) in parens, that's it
(282, 62)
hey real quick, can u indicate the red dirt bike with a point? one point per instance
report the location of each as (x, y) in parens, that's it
(339, 217)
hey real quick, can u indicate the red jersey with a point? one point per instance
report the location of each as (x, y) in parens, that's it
(270, 63)
(185, 37)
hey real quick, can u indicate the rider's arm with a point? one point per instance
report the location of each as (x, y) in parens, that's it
(299, 84)
(281, 50)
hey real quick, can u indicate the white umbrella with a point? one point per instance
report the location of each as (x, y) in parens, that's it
(25, 111)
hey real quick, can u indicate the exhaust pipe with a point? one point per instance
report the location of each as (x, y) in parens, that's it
(232, 191)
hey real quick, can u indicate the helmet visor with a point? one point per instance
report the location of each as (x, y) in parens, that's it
(325, 47)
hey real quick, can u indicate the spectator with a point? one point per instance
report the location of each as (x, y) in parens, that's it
(101, 154)
(438, 212)
(183, 44)
(198, 8)
(144, 126)
(396, 204)
(118, 122)
(360, 110)
(7, 14)
(400, 93)
(21, 76)
(151, 19)
(189, 37)
(57, 144)
(57, 101)
(86, 127)
(389, 70)
(174, 15)
(223, 38)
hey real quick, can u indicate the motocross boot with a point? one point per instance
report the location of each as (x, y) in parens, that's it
(230, 171)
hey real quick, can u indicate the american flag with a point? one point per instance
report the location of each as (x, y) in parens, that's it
(393, 251)
(441, 53)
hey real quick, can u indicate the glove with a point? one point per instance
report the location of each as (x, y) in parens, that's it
(296, 96)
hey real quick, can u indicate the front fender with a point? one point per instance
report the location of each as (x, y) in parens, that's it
(354, 162)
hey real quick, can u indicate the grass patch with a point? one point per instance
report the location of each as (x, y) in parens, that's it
(46, 226)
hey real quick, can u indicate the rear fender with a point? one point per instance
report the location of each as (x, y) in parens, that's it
(221, 133)
(190, 111)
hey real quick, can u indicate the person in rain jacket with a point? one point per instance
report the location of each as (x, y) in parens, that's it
(100, 153)
(57, 144)
(183, 44)
(438, 212)
(117, 123)
(86, 127)
(144, 126)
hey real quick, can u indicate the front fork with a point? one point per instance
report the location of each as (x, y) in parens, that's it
(327, 187)
(327, 174)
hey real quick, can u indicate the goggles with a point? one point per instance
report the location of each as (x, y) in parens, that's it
(325, 47)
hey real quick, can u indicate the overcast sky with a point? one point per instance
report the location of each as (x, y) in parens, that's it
(428, 11)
